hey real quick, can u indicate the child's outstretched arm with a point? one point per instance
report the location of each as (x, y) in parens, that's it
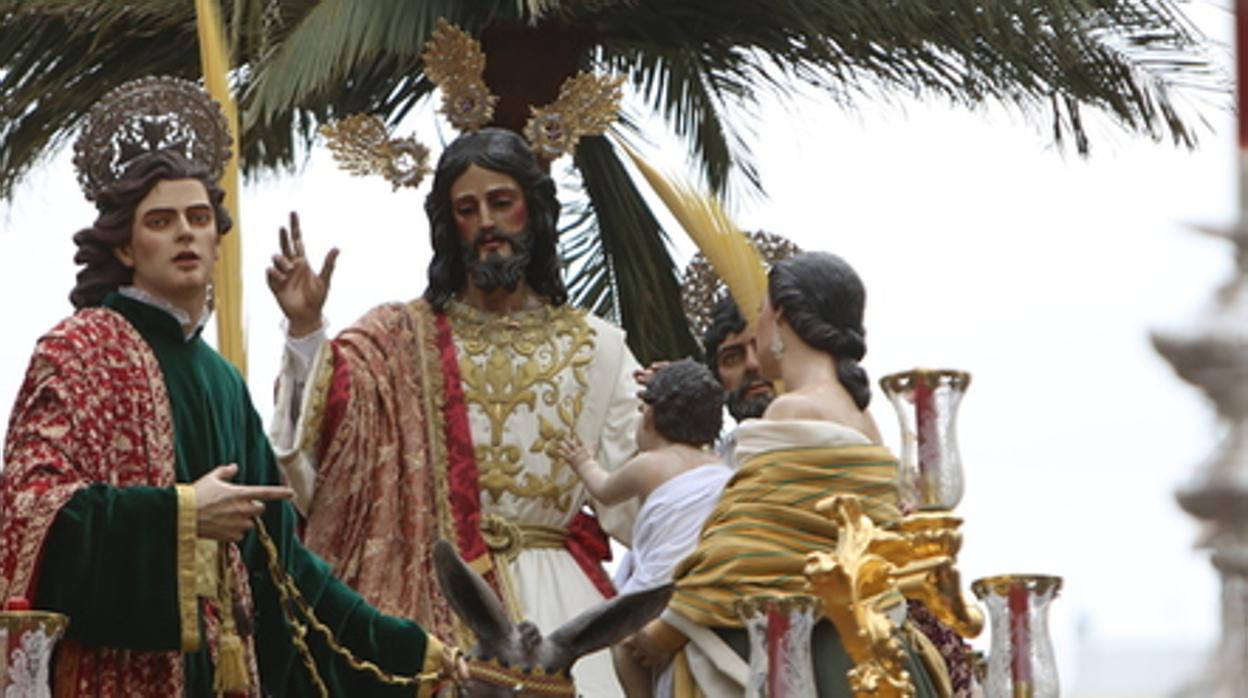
(608, 488)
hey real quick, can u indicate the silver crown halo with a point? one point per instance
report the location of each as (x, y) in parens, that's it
(144, 116)
(701, 287)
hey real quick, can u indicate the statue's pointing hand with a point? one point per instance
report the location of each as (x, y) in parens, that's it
(225, 511)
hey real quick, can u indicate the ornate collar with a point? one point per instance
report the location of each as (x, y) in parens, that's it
(535, 314)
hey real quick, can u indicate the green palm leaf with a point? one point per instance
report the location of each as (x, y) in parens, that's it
(701, 65)
(693, 101)
(52, 55)
(1121, 56)
(625, 270)
(364, 52)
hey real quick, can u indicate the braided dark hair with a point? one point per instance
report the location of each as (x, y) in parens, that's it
(822, 299)
(102, 272)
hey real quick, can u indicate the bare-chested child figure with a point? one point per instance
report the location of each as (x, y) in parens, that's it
(675, 476)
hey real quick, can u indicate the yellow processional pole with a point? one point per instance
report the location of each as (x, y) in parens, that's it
(214, 56)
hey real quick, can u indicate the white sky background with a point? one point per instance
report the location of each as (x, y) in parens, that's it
(982, 247)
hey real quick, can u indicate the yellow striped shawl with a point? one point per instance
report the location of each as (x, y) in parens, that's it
(757, 538)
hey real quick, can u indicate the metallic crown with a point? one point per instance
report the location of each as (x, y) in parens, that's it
(701, 288)
(144, 116)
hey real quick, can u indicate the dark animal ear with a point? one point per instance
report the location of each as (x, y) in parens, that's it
(610, 622)
(473, 600)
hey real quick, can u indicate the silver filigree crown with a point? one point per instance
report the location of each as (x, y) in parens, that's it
(144, 116)
(702, 288)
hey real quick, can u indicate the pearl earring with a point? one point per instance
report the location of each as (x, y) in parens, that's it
(777, 347)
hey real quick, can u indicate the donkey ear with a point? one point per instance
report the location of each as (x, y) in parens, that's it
(612, 621)
(473, 600)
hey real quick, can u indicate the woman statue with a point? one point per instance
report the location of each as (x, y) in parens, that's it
(813, 441)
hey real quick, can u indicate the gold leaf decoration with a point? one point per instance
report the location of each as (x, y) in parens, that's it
(468, 106)
(451, 55)
(864, 576)
(455, 62)
(855, 584)
(362, 145)
(587, 105)
(549, 134)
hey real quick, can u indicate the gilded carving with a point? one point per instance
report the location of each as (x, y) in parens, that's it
(865, 575)
(534, 362)
(854, 582)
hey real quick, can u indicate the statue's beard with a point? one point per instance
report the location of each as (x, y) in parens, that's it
(494, 271)
(742, 407)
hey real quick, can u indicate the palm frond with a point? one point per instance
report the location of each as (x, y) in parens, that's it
(58, 58)
(357, 55)
(700, 63)
(590, 283)
(721, 242)
(623, 259)
(700, 105)
(1124, 57)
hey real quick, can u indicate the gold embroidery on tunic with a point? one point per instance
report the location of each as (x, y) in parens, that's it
(322, 376)
(207, 567)
(525, 360)
(432, 390)
(433, 387)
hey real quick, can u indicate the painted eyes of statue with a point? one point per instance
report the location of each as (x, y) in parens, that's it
(502, 200)
(732, 356)
(496, 202)
(199, 216)
(196, 217)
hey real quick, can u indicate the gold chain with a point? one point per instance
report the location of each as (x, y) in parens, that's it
(293, 603)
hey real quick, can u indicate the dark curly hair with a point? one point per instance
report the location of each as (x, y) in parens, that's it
(822, 299)
(102, 273)
(503, 151)
(726, 319)
(688, 403)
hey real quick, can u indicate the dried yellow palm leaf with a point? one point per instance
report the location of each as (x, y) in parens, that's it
(728, 250)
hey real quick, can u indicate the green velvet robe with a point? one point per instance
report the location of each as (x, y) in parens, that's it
(110, 559)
